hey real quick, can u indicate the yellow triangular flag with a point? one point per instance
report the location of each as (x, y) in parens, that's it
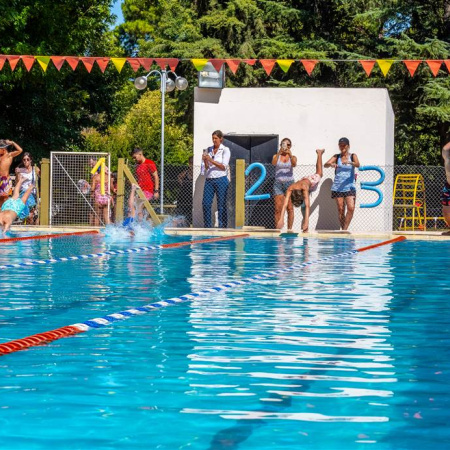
(199, 63)
(285, 64)
(385, 65)
(119, 63)
(43, 62)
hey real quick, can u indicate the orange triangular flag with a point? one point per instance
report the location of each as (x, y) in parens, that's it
(164, 62)
(173, 63)
(134, 63)
(28, 61)
(2, 61)
(146, 63)
(233, 64)
(250, 62)
(309, 64)
(217, 63)
(447, 63)
(367, 65)
(13, 60)
(434, 65)
(102, 63)
(267, 64)
(58, 61)
(412, 65)
(72, 61)
(88, 62)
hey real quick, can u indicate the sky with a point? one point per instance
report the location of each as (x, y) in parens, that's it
(117, 11)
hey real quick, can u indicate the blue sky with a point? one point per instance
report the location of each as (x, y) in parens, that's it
(117, 11)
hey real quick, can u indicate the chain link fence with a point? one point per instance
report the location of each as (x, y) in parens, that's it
(407, 199)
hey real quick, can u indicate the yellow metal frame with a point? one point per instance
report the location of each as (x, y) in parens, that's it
(409, 202)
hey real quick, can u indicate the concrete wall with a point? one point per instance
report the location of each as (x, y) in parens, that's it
(312, 118)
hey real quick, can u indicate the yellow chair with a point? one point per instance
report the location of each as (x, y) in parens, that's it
(410, 211)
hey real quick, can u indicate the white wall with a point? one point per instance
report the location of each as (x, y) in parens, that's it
(312, 118)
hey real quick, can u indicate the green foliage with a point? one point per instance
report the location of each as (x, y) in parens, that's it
(141, 127)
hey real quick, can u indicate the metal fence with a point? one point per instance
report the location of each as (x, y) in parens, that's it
(407, 199)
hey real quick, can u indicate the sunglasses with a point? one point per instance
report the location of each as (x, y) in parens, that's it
(26, 159)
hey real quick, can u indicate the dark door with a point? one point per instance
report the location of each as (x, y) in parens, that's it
(254, 148)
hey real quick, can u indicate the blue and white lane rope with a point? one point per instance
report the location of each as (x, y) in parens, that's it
(40, 262)
(122, 315)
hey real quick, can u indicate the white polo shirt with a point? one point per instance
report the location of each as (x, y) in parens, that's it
(222, 157)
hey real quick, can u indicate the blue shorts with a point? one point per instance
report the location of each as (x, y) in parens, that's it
(281, 187)
(15, 205)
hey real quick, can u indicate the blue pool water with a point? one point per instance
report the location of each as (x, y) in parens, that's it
(349, 354)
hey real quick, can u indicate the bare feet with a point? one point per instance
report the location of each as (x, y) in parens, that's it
(320, 151)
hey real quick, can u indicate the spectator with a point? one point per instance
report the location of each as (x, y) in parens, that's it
(184, 198)
(8, 150)
(29, 173)
(445, 198)
(215, 162)
(284, 163)
(299, 192)
(344, 185)
(147, 178)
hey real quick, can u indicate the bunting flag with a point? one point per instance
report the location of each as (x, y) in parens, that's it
(233, 64)
(2, 61)
(412, 65)
(309, 65)
(164, 62)
(385, 65)
(28, 61)
(58, 61)
(119, 63)
(88, 62)
(250, 62)
(102, 63)
(199, 64)
(368, 65)
(13, 60)
(434, 65)
(217, 64)
(43, 62)
(268, 65)
(134, 63)
(447, 63)
(285, 64)
(146, 63)
(72, 61)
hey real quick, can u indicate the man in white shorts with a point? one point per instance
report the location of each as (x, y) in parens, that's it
(299, 192)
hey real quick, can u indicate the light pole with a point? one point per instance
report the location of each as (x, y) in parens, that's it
(167, 85)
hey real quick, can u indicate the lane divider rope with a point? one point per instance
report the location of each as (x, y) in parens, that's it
(58, 333)
(40, 262)
(48, 236)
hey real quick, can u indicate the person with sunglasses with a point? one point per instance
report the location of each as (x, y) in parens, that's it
(284, 163)
(29, 174)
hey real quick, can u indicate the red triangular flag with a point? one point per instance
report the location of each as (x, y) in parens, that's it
(28, 61)
(447, 63)
(309, 64)
(58, 61)
(367, 65)
(412, 65)
(134, 63)
(102, 63)
(2, 61)
(217, 63)
(13, 60)
(250, 62)
(88, 62)
(72, 61)
(434, 65)
(267, 64)
(173, 63)
(233, 64)
(146, 63)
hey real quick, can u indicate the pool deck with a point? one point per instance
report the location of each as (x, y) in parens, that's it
(252, 231)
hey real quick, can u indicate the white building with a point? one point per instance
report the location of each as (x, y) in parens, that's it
(255, 120)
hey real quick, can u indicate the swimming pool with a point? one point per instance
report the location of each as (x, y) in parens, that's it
(347, 354)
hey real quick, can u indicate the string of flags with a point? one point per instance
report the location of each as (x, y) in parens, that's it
(199, 63)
